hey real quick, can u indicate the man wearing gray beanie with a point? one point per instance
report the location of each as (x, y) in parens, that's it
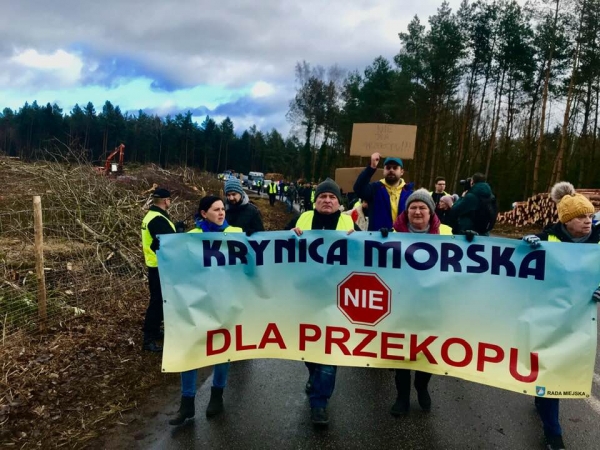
(239, 212)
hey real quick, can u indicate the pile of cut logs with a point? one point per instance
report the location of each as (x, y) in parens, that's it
(541, 210)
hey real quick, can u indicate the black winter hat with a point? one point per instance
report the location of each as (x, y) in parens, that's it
(161, 193)
(207, 202)
(329, 186)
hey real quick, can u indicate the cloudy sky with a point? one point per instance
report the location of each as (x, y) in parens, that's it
(223, 58)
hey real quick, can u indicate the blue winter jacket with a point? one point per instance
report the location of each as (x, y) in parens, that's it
(376, 195)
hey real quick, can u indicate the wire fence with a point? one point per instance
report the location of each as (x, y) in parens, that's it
(80, 269)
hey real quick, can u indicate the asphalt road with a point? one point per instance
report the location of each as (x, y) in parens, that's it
(266, 407)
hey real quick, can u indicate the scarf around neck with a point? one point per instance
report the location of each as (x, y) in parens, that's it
(209, 227)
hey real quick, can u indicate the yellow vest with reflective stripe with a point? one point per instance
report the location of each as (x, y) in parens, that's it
(272, 188)
(149, 255)
(552, 238)
(229, 229)
(345, 222)
(445, 230)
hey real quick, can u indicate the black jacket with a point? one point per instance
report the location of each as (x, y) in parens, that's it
(461, 217)
(247, 217)
(556, 229)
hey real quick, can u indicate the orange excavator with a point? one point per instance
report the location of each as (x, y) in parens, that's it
(110, 167)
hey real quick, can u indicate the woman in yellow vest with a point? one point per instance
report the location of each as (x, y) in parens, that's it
(210, 219)
(575, 213)
(418, 217)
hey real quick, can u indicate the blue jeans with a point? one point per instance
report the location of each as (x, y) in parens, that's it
(322, 379)
(188, 379)
(547, 408)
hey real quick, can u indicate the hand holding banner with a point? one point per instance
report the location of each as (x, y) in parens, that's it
(494, 311)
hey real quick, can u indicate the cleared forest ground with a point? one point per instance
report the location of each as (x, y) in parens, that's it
(67, 386)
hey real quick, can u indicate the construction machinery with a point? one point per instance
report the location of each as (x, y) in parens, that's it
(113, 168)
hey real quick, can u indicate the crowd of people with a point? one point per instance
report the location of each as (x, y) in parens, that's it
(386, 206)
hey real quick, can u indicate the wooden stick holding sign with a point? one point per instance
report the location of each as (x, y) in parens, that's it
(387, 139)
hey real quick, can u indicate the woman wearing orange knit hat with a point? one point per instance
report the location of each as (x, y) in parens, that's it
(574, 225)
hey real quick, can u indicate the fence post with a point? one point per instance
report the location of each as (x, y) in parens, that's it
(39, 260)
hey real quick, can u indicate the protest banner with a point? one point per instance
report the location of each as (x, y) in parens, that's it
(387, 139)
(493, 311)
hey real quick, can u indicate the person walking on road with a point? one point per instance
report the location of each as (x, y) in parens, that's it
(272, 192)
(210, 219)
(419, 217)
(155, 222)
(386, 197)
(239, 211)
(326, 216)
(308, 196)
(290, 196)
(575, 213)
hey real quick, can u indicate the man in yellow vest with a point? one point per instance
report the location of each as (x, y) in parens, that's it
(156, 222)
(272, 192)
(326, 216)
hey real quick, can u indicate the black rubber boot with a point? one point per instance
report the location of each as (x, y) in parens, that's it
(215, 404)
(402, 404)
(421, 385)
(319, 416)
(555, 443)
(187, 410)
(151, 346)
(424, 400)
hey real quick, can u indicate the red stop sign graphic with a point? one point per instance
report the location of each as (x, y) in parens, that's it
(364, 298)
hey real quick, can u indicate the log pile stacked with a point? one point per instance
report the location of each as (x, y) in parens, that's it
(540, 210)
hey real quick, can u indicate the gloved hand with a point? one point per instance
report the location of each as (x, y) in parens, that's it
(596, 295)
(532, 240)
(470, 234)
(180, 227)
(384, 232)
(249, 232)
(155, 245)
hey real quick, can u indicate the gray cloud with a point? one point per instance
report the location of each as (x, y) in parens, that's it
(265, 112)
(178, 45)
(193, 42)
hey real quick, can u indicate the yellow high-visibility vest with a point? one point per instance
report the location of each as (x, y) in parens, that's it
(149, 255)
(345, 222)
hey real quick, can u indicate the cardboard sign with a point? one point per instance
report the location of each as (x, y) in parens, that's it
(385, 138)
(345, 178)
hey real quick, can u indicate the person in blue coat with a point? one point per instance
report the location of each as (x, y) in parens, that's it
(386, 197)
